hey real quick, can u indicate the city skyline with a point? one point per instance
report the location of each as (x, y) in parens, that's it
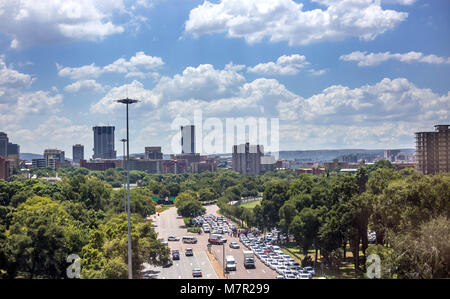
(365, 85)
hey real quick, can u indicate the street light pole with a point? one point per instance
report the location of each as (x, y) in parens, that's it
(128, 101)
(124, 189)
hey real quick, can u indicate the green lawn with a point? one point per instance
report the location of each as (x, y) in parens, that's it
(251, 205)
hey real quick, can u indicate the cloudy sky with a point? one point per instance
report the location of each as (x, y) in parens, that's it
(337, 74)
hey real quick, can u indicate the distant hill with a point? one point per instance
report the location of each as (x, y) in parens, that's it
(30, 156)
(328, 155)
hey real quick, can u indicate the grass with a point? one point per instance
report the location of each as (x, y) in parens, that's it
(251, 205)
(345, 271)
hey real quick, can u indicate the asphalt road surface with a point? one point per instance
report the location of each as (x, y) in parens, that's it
(261, 271)
(170, 224)
(182, 268)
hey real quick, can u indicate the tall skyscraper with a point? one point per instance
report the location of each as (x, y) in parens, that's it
(77, 153)
(247, 158)
(433, 150)
(3, 144)
(104, 142)
(188, 139)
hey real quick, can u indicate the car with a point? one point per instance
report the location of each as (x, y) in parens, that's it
(303, 271)
(163, 241)
(273, 265)
(310, 270)
(168, 264)
(197, 272)
(234, 245)
(303, 276)
(173, 238)
(280, 277)
(189, 252)
(290, 276)
(175, 256)
(280, 269)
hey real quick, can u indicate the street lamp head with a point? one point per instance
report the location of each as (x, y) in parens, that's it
(127, 101)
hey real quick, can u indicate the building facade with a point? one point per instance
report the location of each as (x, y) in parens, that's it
(432, 150)
(77, 153)
(153, 153)
(54, 158)
(247, 158)
(188, 139)
(4, 169)
(3, 144)
(104, 142)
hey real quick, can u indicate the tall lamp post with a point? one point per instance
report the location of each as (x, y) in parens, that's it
(124, 189)
(127, 102)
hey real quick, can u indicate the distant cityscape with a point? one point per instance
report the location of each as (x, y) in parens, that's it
(431, 156)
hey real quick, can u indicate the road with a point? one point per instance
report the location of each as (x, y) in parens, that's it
(170, 224)
(261, 271)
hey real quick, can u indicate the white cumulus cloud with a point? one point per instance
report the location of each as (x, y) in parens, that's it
(286, 20)
(131, 67)
(29, 22)
(285, 65)
(374, 59)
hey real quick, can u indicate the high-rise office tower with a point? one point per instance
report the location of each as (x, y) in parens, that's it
(104, 142)
(247, 158)
(54, 158)
(13, 149)
(188, 139)
(433, 150)
(3, 144)
(77, 153)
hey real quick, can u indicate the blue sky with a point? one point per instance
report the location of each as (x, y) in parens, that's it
(337, 74)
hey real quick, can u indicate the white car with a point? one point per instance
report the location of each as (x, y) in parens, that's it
(234, 245)
(310, 270)
(273, 265)
(303, 276)
(280, 269)
(290, 276)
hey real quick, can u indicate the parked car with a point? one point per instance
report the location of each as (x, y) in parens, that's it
(197, 272)
(303, 276)
(280, 277)
(310, 270)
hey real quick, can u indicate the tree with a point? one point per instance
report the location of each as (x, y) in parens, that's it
(305, 227)
(425, 253)
(206, 194)
(275, 195)
(38, 238)
(191, 209)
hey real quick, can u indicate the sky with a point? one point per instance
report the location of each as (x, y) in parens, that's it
(362, 74)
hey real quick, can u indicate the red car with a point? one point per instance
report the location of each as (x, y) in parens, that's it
(215, 241)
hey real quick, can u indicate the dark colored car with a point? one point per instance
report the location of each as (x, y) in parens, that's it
(197, 272)
(175, 256)
(189, 252)
(168, 264)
